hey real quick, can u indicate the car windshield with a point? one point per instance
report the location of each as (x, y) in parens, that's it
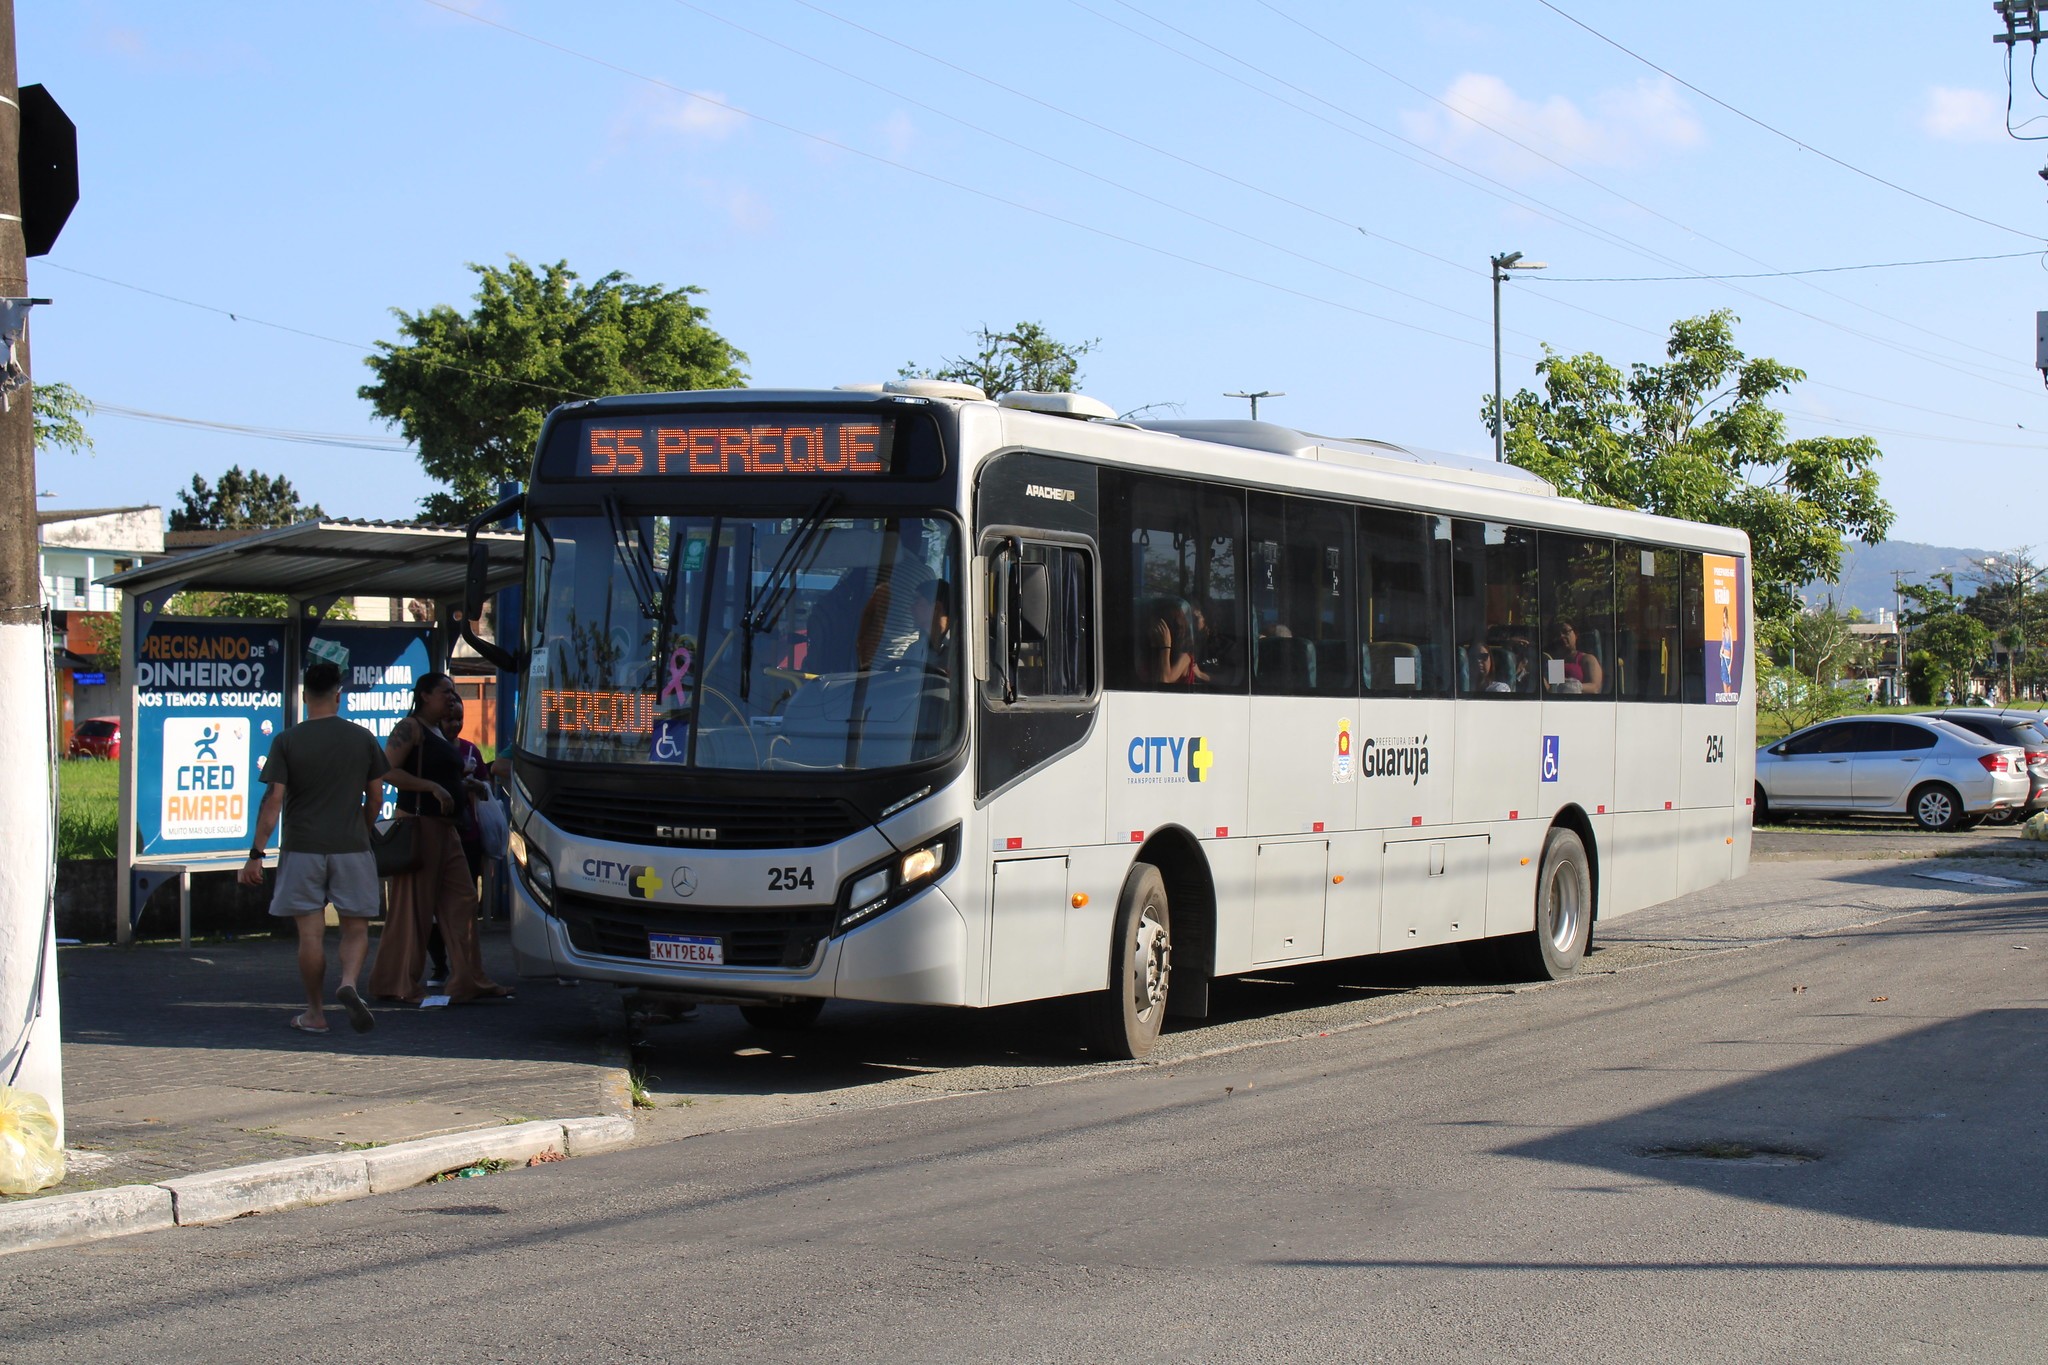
(818, 642)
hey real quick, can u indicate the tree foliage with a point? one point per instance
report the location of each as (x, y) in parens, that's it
(470, 389)
(1954, 644)
(1697, 437)
(1793, 700)
(1820, 646)
(60, 413)
(1025, 359)
(253, 501)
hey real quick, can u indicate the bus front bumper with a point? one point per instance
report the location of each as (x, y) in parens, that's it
(915, 954)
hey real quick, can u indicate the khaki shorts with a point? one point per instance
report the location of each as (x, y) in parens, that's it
(308, 883)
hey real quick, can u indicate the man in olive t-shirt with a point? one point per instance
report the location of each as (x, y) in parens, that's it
(326, 777)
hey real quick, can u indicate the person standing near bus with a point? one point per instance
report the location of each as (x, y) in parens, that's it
(325, 779)
(439, 890)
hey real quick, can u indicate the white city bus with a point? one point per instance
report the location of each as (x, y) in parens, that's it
(904, 695)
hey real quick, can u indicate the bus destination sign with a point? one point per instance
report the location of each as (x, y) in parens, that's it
(795, 444)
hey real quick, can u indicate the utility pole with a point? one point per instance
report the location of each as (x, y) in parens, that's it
(1502, 264)
(29, 1058)
(1255, 397)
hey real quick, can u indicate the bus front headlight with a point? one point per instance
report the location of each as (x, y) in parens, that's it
(887, 884)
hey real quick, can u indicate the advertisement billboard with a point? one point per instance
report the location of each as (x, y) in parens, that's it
(209, 698)
(1722, 588)
(379, 665)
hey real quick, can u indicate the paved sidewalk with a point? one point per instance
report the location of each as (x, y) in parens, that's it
(177, 1062)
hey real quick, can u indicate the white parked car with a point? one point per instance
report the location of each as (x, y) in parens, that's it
(1942, 776)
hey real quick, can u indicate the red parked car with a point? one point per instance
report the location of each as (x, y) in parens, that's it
(99, 737)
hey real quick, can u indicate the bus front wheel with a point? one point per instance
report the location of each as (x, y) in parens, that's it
(1564, 914)
(1124, 1021)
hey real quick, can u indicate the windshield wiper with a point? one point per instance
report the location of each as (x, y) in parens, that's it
(639, 566)
(774, 595)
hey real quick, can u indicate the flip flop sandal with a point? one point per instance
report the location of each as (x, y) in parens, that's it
(298, 1022)
(359, 1016)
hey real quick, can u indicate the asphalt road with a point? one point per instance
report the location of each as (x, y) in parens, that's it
(1795, 1117)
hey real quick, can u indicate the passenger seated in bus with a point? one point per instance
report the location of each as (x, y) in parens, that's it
(1283, 661)
(1570, 669)
(1490, 670)
(1166, 651)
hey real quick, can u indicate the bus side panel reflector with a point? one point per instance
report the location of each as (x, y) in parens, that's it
(1012, 844)
(1317, 828)
(1223, 831)
(1416, 820)
(1137, 836)
(1514, 815)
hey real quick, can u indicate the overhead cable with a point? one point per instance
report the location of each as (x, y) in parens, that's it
(835, 144)
(1801, 144)
(1776, 274)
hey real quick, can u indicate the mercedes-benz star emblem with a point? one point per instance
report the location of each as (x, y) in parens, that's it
(683, 882)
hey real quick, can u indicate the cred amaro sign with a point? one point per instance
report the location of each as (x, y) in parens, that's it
(209, 698)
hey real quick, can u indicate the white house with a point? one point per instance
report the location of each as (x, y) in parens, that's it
(79, 547)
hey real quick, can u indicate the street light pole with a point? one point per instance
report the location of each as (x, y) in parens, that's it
(1502, 264)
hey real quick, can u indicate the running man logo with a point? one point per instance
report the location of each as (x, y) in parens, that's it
(205, 777)
(1157, 759)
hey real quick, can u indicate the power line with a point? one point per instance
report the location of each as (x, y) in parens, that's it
(383, 349)
(964, 188)
(341, 440)
(1780, 274)
(1048, 157)
(1501, 190)
(1779, 132)
(1769, 270)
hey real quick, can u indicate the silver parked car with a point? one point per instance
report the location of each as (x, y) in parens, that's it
(1942, 776)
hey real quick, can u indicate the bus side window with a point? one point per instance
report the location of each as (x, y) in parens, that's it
(1494, 608)
(1405, 604)
(1692, 656)
(1301, 598)
(1578, 657)
(1049, 616)
(1174, 584)
(1646, 583)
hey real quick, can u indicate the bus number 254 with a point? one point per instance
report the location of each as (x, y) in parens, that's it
(1715, 753)
(790, 879)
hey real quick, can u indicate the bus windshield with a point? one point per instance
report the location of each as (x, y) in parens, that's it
(820, 642)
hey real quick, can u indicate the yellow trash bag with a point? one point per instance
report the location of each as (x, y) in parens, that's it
(2036, 827)
(30, 1158)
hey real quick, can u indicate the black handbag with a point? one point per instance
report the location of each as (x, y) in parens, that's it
(397, 846)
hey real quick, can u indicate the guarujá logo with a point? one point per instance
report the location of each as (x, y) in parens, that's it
(1169, 759)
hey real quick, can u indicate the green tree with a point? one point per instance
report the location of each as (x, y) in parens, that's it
(1954, 643)
(60, 413)
(1024, 359)
(1820, 646)
(254, 501)
(1697, 438)
(1792, 701)
(470, 390)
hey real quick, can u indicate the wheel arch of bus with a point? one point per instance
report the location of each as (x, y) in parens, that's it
(1191, 901)
(1572, 816)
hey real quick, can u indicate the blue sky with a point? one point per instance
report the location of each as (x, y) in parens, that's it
(1266, 211)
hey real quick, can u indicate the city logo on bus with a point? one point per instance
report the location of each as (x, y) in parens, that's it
(1160, 759)
(1398, 756)
(639, 880)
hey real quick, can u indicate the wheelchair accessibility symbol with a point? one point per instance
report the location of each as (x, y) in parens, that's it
(671, 742)
(1550, 758)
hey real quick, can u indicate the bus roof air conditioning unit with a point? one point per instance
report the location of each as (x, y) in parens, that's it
(935, 388)
(1059, 405)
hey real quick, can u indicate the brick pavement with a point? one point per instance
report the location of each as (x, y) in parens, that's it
(180, 1061)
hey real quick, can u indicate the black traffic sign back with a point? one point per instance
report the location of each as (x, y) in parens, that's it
(49, 169)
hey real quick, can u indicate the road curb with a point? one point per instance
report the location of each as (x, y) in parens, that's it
(297, 1182)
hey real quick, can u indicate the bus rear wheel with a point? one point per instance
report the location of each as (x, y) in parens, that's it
(789, 1017)
(1564, 914)
(1124, 1021)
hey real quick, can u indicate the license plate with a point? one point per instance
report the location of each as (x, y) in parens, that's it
(699, 950)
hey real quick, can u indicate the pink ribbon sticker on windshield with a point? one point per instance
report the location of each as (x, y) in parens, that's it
(679, 661)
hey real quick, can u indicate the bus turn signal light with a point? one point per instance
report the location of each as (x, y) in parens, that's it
(1080, 900)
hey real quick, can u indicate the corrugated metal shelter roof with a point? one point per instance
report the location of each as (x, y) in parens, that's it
(358, 558)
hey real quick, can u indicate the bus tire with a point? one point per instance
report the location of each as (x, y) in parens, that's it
(1935, 806)
(790, 1017)
(1760, 813)
(1564, 914)
(1123, 1022)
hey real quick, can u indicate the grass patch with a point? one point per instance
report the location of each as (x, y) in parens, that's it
(636, 1082)
(88, 807)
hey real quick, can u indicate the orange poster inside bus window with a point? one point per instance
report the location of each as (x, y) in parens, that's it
(1722, 591)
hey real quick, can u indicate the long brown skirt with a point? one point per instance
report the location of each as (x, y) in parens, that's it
(440, 890)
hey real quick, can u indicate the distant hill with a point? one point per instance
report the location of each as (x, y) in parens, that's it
(1867, 572)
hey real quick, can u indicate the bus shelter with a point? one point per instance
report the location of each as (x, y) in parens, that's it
(203, 697)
